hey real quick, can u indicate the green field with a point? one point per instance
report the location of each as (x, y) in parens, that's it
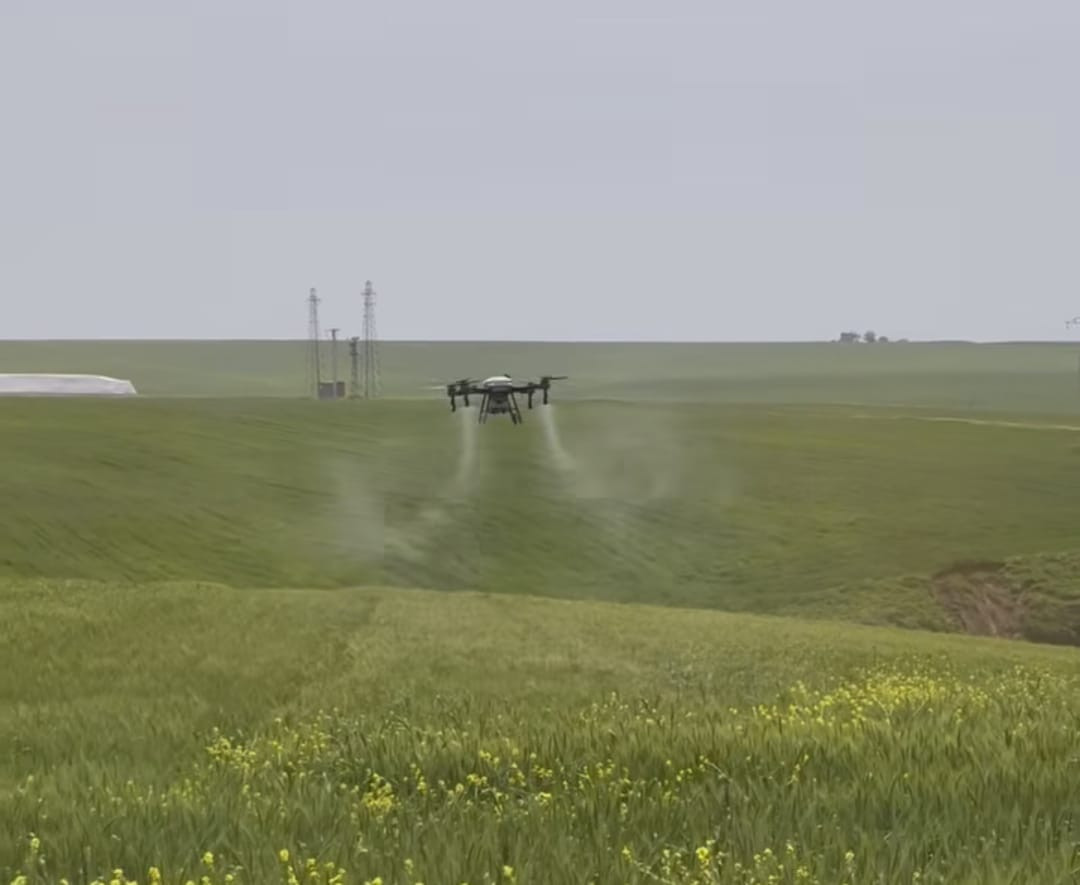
(714, 635)
(1017, 377)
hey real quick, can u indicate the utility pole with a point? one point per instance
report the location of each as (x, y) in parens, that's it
(1068, 324)
(354, 368)
(333, 359)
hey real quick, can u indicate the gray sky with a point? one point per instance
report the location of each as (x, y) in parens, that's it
(554, 170)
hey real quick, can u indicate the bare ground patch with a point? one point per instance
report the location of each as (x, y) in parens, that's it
(978, 597)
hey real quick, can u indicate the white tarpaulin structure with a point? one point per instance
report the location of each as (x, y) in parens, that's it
(64, 385)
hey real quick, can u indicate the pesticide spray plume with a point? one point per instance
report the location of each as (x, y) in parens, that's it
(463, 477)
(612, 472)
(621, 458)
(561, 459)
(359, 518)
(411, 540)
(629, 470)
(614, 465)
(356, 523)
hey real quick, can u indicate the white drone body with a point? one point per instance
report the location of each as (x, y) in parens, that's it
(497, 394)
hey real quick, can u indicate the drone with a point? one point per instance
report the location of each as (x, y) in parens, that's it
(498, 394)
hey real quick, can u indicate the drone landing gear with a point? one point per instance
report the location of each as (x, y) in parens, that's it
(507, 404)
(531, 397)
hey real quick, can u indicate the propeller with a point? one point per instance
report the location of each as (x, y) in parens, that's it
(545, 383)
(447, 385)
(453, 389)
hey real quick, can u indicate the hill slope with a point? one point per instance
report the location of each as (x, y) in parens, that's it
(723, 507)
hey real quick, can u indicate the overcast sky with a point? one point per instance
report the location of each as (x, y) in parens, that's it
(565, 169)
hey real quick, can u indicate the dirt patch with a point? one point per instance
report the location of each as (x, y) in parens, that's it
(979, 599)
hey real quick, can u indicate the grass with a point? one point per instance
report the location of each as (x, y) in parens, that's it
(566, 741)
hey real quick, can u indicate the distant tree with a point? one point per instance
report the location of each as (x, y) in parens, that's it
(869, 337)
(883, 339)
(849, 337)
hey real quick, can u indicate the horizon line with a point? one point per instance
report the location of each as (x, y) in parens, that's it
(556, 341)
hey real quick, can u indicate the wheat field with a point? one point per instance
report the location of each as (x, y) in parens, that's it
(415, 736)
(719, 637)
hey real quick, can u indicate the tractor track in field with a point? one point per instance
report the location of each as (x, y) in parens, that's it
(982, 422)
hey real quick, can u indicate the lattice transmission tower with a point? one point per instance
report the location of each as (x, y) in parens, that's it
(370, 345)
(314, 363)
